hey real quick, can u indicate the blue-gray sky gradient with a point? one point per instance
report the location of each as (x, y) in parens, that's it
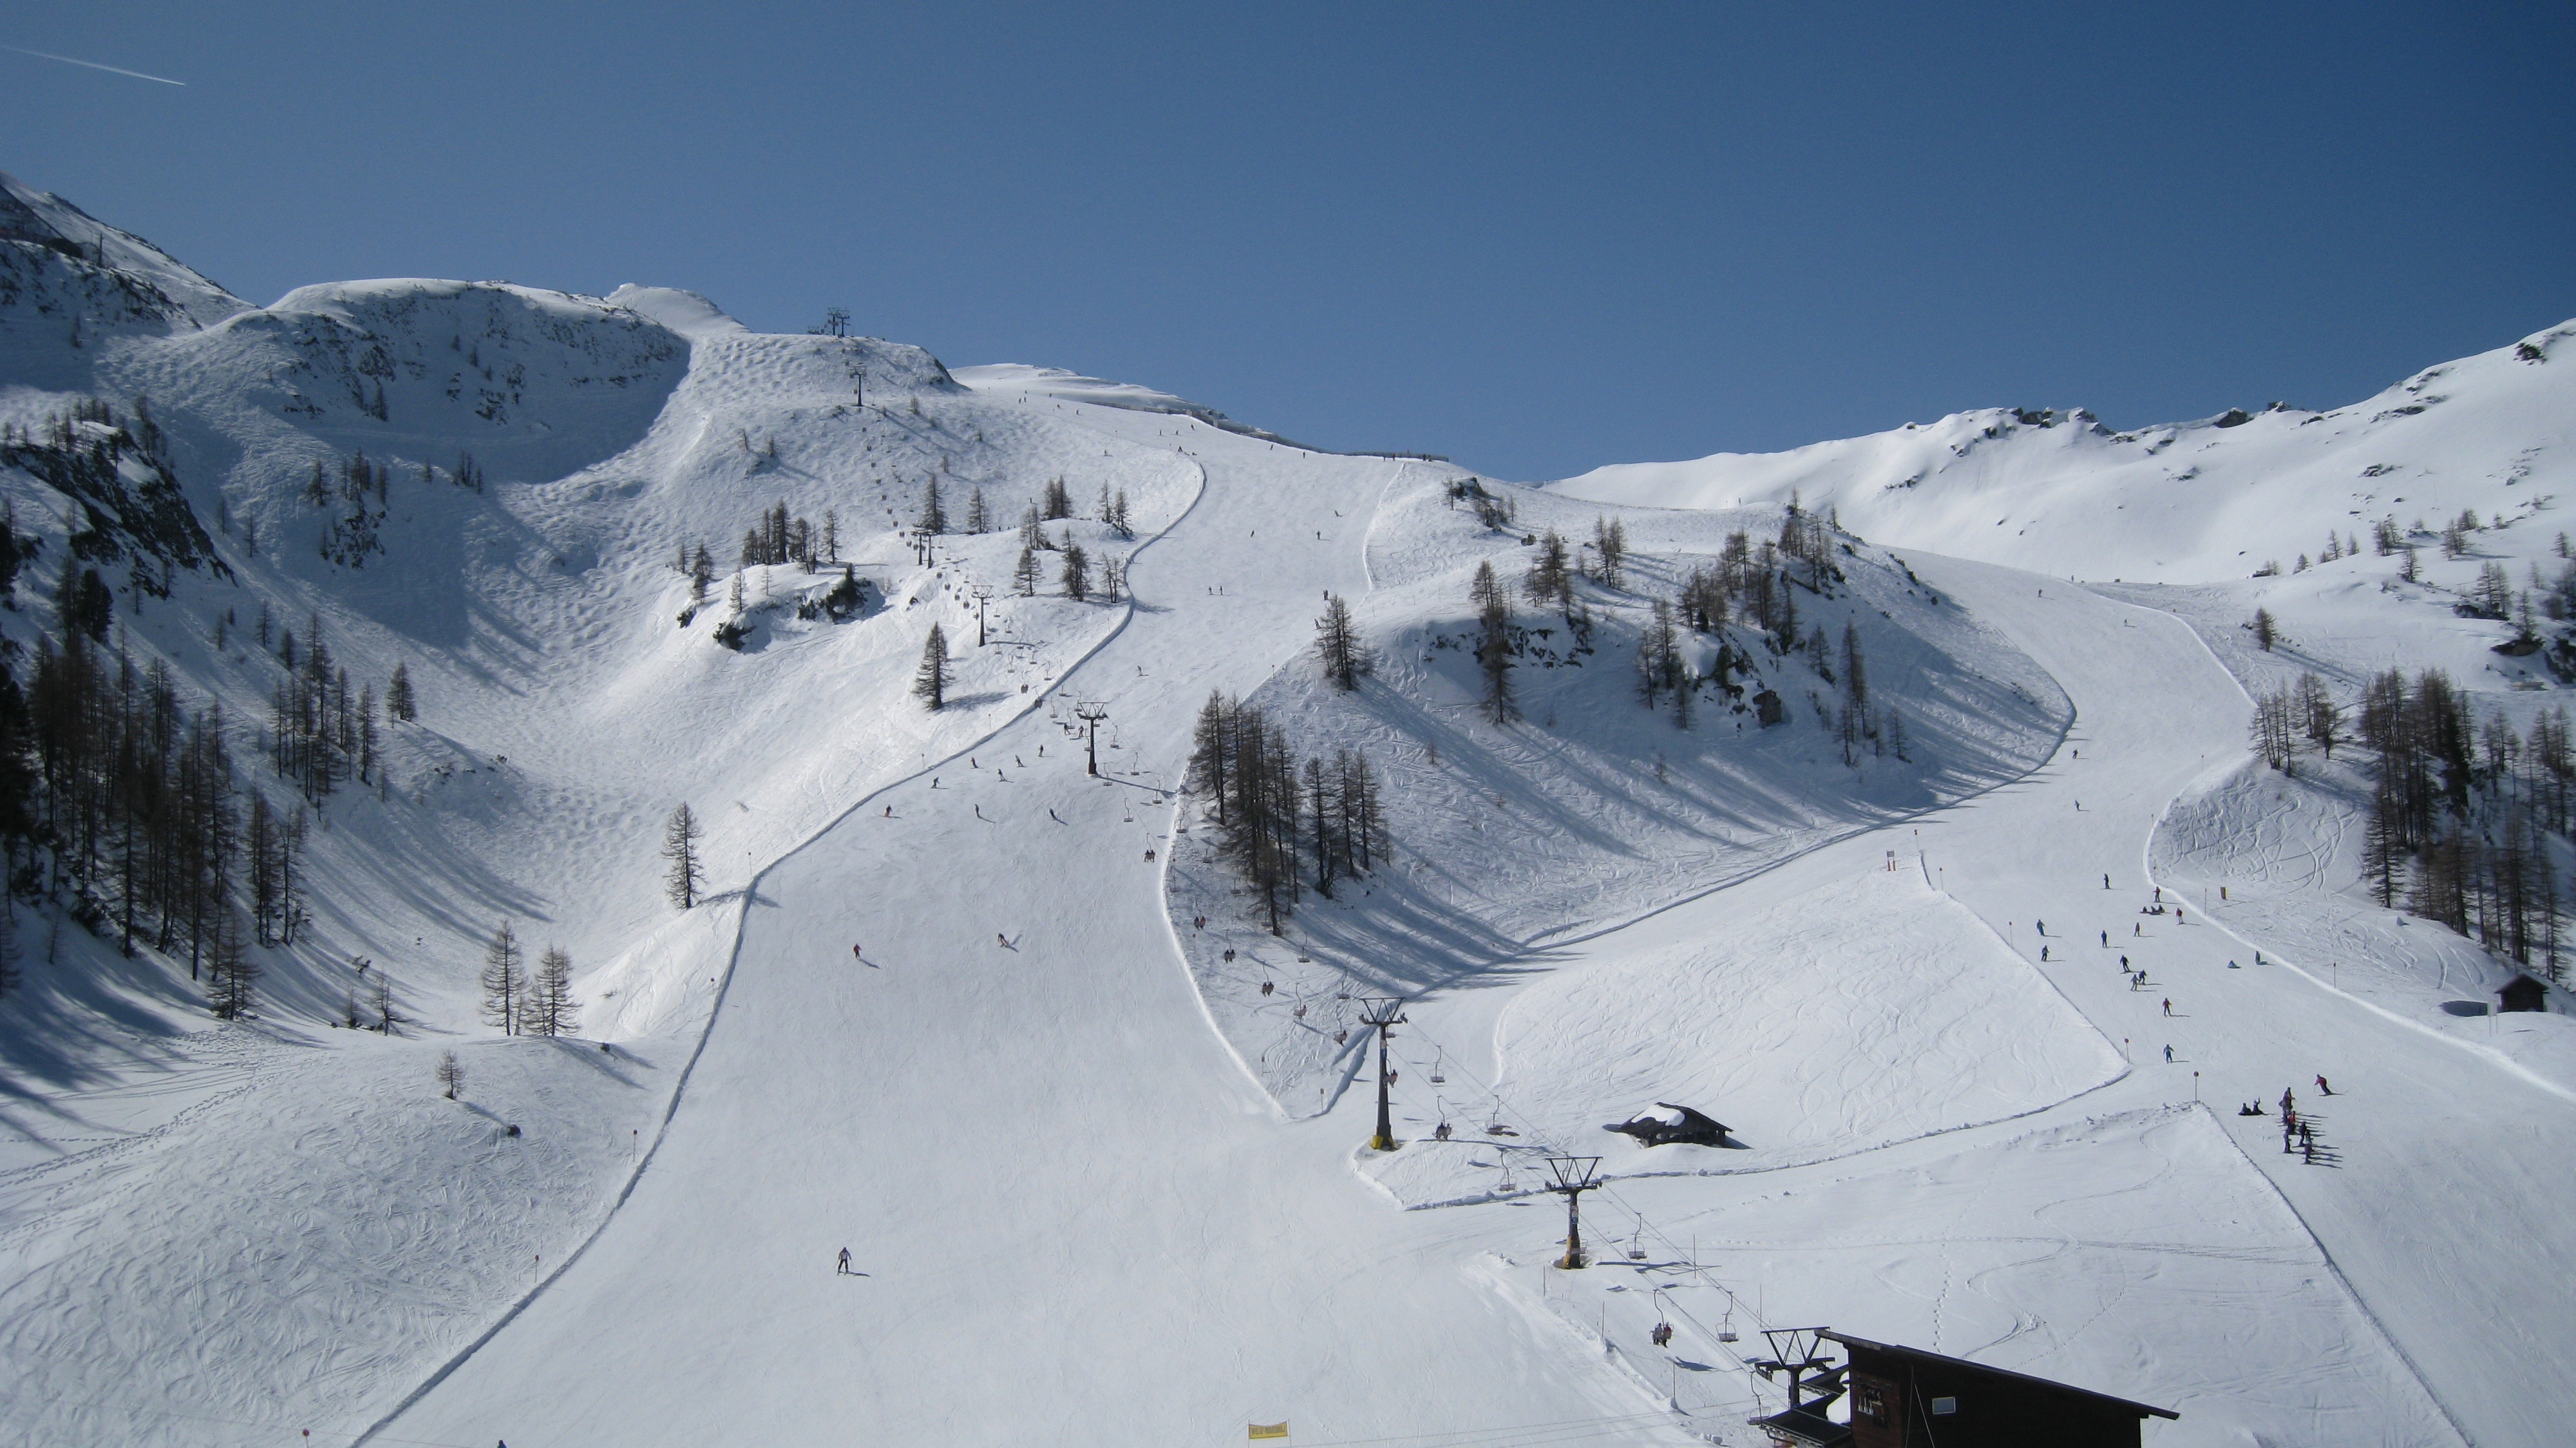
(1538, 238)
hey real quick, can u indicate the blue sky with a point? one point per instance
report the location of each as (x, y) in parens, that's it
(1535, 238)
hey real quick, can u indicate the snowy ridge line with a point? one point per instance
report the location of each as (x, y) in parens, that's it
(750, 891)
(2359, 1302)
(2147, 868)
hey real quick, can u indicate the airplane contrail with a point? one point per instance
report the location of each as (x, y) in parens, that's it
(94, 65)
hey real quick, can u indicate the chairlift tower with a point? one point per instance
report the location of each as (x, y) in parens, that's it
(1574, 1176)
(1798, 1353)
(983, 596)
(1091, 715)
(1382, 1013)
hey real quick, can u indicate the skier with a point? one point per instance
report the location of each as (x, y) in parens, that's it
(889, 814)
(2288, 1103)
(1001, 940)
(2308, 1152)
(2169, 1005)
(855, 954)
(2106, 882)
(845, 1261)
(2043, 954)
(2168, 1055)
(2106, 940)
(2137, 928)
(2322, 1088)
(2040, 925)
(2124, 965)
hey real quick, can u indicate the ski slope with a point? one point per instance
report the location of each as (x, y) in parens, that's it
(949, 1005)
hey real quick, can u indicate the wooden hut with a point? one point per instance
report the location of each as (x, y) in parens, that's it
(2524, 993)
(1903, 1397)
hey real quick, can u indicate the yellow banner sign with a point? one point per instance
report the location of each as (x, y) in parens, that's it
(1267, 1430)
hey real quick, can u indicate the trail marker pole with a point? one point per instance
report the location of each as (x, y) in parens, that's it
(1381, 1013)
(1574, 1176)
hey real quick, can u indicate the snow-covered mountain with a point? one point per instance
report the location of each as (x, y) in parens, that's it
(991, 993)
(2058, 492)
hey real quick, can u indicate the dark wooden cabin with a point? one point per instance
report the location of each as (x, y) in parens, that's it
(2524, 993)
(1903, 1397)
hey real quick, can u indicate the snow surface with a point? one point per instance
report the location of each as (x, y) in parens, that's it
(1101, 1189)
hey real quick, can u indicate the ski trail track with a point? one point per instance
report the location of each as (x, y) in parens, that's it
(1081, 1217)
(2444, 1208)
(2385, 1309)
(1078, 1216)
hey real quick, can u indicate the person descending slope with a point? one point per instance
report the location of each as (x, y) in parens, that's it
(2169, 1005)
(2322, 1088)
(845, 1262)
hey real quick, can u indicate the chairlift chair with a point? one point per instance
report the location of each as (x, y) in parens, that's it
(1437, 1058)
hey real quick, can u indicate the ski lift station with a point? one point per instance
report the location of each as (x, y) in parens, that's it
(1903, 1397)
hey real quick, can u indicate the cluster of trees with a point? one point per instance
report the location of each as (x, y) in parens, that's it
(778, 539)
(1278, 818)
(2461, 812)
(320, 734)
(114, 793)
(1074, 569)
(349, 537)
(521, 1002)
(1757, 583)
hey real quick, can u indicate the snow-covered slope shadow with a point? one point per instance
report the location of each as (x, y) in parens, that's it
(1590, 810)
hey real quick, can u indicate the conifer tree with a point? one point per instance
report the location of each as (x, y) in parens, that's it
(550, 1007)
(231, 971)
(978, 520)
(930, 681)
(1024, 574)
(1337, 641)
(1494, 648)
(1609, 550)
(1077, 572)
(451, 1075)
(934, 518)
(680, 846)
(399, 704)
(504, 980)
(1550, 580)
